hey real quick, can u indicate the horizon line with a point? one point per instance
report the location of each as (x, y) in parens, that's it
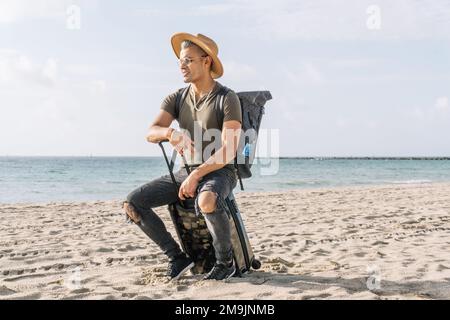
(281, 157)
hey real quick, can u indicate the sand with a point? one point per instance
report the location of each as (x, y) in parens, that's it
(370, 242)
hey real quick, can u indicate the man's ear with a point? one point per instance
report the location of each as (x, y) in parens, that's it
(210, 61)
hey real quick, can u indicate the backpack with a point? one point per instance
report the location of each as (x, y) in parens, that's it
(252, 108)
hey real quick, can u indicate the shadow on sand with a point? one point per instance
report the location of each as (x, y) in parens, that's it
(383, 288)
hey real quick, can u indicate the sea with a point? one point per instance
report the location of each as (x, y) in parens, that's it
(55, 179)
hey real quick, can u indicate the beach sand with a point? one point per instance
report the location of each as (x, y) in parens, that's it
(370, 242)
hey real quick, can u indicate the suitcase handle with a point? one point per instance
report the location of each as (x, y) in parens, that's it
(171, 164)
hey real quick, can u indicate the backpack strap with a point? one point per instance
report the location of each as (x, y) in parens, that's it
(220, 98)
(220, 116)
(179, 100)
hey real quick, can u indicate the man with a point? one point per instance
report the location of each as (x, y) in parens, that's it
(213, 177)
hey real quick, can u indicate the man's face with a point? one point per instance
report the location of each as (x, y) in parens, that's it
(196, 68)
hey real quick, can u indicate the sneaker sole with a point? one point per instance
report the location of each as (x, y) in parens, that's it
(190, 266)
(231, 275)
(226, 278)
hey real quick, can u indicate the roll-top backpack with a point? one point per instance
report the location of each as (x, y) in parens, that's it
(252, 108)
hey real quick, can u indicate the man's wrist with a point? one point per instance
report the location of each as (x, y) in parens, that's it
(196, 174)
(169, 133)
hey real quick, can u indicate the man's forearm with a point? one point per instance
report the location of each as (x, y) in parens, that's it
(226, 154)
(157, 134)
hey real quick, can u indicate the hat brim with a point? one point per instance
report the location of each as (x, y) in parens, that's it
(178, 38)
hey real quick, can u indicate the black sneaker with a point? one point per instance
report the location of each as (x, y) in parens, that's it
(178, 266)
(221, 271)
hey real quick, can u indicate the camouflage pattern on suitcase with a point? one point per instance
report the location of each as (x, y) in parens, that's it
(194, 236)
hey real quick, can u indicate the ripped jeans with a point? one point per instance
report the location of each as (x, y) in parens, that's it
(161, 191)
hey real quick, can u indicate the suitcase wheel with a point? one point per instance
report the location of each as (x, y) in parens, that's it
(256, 264)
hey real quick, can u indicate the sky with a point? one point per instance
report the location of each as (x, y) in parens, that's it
(348, 78)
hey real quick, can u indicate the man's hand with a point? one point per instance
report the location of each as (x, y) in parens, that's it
(189, 187)
(181, 142)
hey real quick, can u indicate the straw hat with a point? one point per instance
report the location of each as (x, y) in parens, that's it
(207, 44)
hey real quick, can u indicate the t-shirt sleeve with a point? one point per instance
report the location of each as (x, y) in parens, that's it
(168, 103)
(232, 107)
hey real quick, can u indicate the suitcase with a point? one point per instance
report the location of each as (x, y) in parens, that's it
(195, 237)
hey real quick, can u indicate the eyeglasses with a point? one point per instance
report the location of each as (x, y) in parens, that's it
(188, 61)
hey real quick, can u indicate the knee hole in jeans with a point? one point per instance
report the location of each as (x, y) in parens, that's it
(207, 202)
(131, 212)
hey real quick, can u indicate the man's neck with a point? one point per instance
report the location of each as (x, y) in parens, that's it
(203, 87)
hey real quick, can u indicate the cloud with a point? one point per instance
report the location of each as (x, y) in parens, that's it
(60, 106)
(16, 10)
(372, 124)
(192, 11)
(213, 9)
(351, 63)
(442, 104)
(98, 86)
(324, 19)
(433, 113)
(240, 74)
(17, 69)
(418, 113)
(50, 70)
(313, 73)
(342, 122)
(347, 19)
(307, 73)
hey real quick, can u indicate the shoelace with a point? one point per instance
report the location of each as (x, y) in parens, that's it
(171, 267)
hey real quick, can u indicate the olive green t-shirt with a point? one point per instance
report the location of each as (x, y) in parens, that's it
(203, 123)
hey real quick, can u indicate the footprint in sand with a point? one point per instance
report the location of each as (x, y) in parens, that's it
(321, 252)
(81, 290)
(297, 291)
(319, 296)
(442, 267)
(109, 297)
(288, 242)
(32, 296)
(119, 288)
(292, 234)
(182, 288)
(264, 294)
(129, 247)
(423, 269)
(5, 291)
(380, 243)
(155, 296)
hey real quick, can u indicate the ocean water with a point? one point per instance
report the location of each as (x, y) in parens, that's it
(46, 179)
